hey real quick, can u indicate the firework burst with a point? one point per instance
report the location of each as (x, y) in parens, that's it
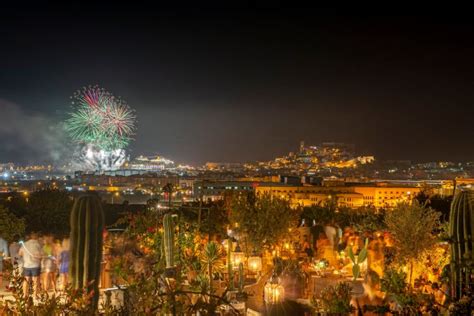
(100, 119)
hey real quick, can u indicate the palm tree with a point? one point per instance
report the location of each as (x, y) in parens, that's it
(168, 188)
(212, 260)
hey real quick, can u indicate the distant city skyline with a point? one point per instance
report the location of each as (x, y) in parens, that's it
(292, 151)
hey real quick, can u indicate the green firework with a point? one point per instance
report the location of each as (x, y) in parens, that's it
(100, 119)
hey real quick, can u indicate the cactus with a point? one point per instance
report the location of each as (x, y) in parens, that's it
(87, 224)
(168, 242)
(241, 277)
(461, 228)
(360, 258)
(229, 264)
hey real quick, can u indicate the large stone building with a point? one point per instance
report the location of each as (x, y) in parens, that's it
(379, 195)
(216, 190)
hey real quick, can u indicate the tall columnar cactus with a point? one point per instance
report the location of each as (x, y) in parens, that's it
(168, 240)
(360, 258)
(229, 264)
(241, 277)
(87, 224)
(461, 228)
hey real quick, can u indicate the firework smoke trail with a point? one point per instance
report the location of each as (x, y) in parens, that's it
(103, 125)
(39, 138)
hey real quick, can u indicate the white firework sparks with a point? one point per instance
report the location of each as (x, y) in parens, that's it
(92, 158)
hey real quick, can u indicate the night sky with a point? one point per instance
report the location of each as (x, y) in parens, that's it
(240, 85)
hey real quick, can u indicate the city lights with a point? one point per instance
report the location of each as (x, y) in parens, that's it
(271, 162)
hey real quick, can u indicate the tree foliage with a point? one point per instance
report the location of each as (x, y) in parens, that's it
(439, 203)
(16, 203)
(10, 225)
(362, 219)
(367, 219)
(395, 286)
(412, 228)
(48, 212)
(263, 220)
(335, 300)
(214, 219)
(45, 211)
(319, 214)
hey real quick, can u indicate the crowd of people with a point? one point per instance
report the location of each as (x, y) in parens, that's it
(43, 262)
(333, 244)
(40, 260)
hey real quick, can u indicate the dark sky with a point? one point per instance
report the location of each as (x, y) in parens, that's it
(238, 85)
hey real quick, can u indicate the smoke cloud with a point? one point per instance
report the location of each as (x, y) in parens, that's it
(31, 137)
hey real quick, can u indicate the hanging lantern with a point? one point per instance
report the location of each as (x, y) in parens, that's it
(255, 263)
(237, 257)
(274, 292)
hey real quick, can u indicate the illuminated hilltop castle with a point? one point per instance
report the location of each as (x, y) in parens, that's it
(325, 155)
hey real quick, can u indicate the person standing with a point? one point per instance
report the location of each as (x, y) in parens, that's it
(17, 261)
(32, 253)
(49, 264)
(3, 255)
(331, 234)
(64, 264)
(307, 247)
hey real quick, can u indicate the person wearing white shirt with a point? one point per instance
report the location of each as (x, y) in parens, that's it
(32, 253)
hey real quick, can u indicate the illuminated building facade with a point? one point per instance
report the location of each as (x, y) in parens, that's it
(216, 190)
(157, 163)
(379, 196)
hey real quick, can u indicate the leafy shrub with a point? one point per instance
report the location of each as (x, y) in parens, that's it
(335, 299)
(10, 225)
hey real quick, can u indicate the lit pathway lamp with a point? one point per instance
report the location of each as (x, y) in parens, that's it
(237, 257)
(255, 263)
(274, 294)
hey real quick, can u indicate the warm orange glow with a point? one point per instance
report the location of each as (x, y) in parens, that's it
(237, 258)
(255, 264)
(274, 293)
